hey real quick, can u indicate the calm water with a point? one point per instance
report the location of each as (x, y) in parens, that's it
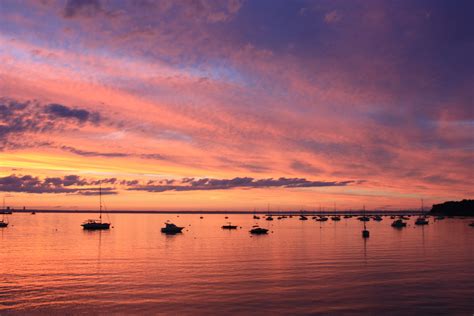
(48, 263)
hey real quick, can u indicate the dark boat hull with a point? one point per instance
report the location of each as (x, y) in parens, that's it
(259, 231)
(172, 231)
(95, 226)
(229, 227)
(399, 225)
(3, 224)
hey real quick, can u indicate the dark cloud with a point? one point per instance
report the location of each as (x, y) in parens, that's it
(59, 110)
(71, 184)
(239, 182)
(74, 184)
(129, 182)
(92, 153)
(88, 153)
(19, 118)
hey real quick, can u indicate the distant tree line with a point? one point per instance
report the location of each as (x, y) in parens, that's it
(457, 208)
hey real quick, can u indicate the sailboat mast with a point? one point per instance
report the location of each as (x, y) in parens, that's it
(100, 202)
(365, 227)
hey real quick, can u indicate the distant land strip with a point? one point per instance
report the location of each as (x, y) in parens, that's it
(306, 213)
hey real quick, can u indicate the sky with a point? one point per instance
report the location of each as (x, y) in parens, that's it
(236, 105)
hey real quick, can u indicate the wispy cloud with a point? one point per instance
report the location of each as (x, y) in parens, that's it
(237, 183)
(71, 184)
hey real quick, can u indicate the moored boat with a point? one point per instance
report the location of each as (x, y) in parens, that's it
(96, 224)
(365, 231)
(229, 226)
(399, 223)
(171, 229)
(258, 230)
(378, 218)
(421, 221)
(3, 221)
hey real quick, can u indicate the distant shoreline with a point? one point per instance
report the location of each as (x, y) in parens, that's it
(307, 213)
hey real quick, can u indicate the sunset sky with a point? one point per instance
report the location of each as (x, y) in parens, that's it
(231, 105)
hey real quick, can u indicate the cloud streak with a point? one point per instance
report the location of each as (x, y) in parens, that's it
(74, 184)
(206, 184)
(71, 184)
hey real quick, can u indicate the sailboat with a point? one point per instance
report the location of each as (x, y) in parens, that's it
(229, 226)
(335, 217)
(421, 220)
(255, 214)
(96, 224)
(3, 222)
(365, 232)
(256, 230)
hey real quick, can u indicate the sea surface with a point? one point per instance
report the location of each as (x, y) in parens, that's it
(50, 265)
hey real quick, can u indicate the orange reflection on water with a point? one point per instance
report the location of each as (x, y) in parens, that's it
(50, 264)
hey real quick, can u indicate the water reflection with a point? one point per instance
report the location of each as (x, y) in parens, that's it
(301, 267)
